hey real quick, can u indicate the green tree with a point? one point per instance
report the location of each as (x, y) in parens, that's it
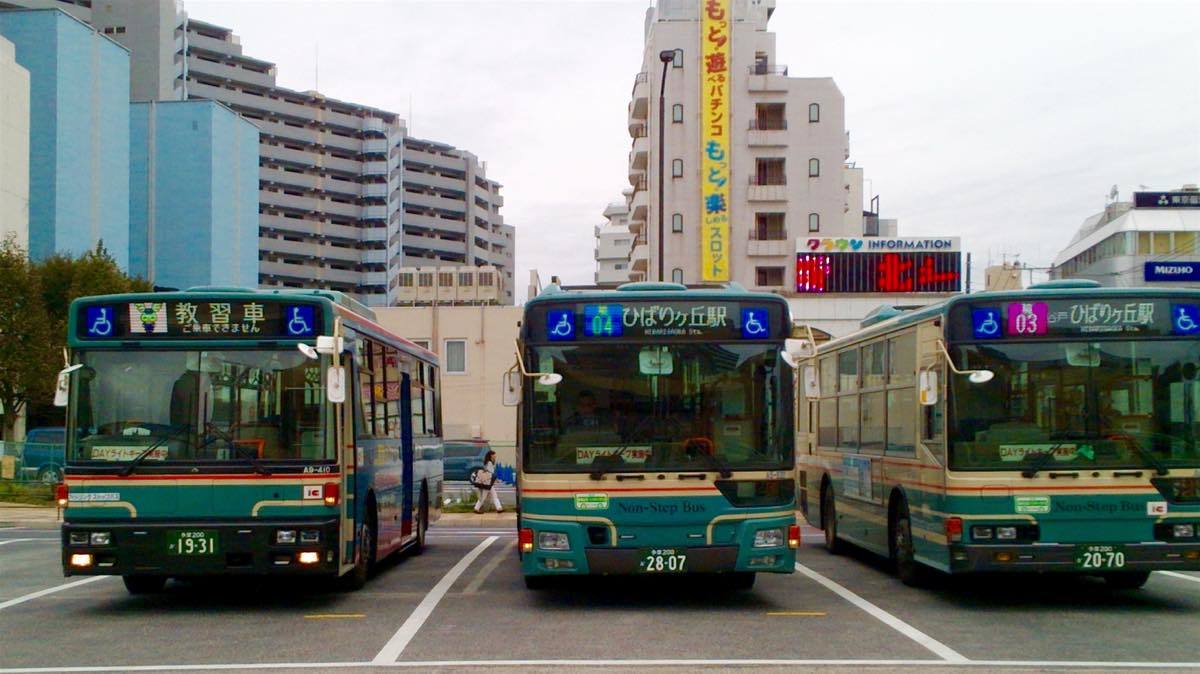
(65, 278)
(29, 352)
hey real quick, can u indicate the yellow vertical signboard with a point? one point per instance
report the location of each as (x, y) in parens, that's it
(716, 34)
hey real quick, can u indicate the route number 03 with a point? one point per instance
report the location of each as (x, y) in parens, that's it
(1026, 324)
(1103, 560)
(669, 563)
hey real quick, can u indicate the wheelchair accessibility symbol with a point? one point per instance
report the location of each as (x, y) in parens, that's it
(300, 321)
(986, 323)
(754, 324)
(560, 325)
(1185, 319)
(98, 322)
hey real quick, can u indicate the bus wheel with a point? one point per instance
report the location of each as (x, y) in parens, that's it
(829, 522)
(357, 577)
(1130, 580)
(144, 584)
(422, 523)
(907, 567)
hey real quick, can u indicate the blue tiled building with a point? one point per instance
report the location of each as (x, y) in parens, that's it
(79, 133)
(193, 195)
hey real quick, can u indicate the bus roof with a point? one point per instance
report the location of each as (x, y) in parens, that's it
(885, 318)
(651, 291)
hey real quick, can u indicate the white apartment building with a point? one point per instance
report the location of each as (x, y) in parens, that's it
(335, 177)
(1153, 240)
(14, 146)
(786, 172)
(614, 242)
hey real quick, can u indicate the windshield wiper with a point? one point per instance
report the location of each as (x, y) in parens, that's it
(217, 434)
(1147, 457)
(722, 467)
(1040, 461)
(137, 460)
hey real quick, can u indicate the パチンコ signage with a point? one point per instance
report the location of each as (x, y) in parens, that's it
(716, 34)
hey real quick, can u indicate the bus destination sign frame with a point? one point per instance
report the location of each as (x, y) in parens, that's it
(650, 320)
(197, 318)
(1083, 317)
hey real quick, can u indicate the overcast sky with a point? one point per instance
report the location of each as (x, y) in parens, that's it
(1005, 123)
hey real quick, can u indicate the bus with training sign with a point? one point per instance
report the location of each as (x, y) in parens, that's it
(223, 432)
(655, 433)
(1050, 429)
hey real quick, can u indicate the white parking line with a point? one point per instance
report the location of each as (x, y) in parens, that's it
(395, 646)
(1180, 576)
(50, 590)
(630, 663)
(942, 650)
(22, 540)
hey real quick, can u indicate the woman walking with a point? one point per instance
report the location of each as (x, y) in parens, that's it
(485, 481)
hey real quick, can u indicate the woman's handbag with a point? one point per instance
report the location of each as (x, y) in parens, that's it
(482, 478)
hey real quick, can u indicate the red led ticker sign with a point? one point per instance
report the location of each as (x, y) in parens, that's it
(878, 272)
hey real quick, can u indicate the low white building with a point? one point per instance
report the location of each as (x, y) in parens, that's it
(1153, 240)
(614, 241)
(14, 146)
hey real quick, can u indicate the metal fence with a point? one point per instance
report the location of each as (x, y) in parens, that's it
(31, 462)
(463, 493)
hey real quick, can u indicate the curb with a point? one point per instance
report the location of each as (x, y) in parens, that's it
(489, 520)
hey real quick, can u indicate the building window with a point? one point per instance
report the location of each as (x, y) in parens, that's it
(425, 279)
(768, 276)
(677, 113)
(771, 171)
(456, 356)
(678, 60)
(676, 168)
(814, 112)
(621, 242)
(619, 266)
(423, 343)
(769, 227)
(814, 222)
(485, 279)
(814, 167)
(466, 279)
(677, 222)
(677, 275)
(406, 280)
(446, 279)
(770, 117)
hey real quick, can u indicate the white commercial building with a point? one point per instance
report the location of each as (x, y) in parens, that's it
(1152, 240)
(756, 186)
(14, 146)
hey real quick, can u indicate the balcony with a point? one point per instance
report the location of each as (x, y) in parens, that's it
(374, 125)
(767, 188)
(766, 78)
(375, 168)
(374, 256)
(767, 133)
(772, 248)
(374, 212)
(641, 100)
(376, 146)
(375, 190)
(641, 151)
(640, 205)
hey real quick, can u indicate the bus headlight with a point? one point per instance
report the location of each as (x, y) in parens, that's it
(768, 538)
(1006, 533)
(285, 536)
(982, 533)
(553, 540)
(101, 537)
(310, 536)
(1183, 531)
(79, 538)
(81, 560)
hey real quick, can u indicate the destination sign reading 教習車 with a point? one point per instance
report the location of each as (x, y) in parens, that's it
(198, 319)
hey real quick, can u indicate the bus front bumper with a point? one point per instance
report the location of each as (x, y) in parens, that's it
(1062, 557)
(229, 548)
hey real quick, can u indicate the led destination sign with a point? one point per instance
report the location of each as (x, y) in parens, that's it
(1142, 317)
(196, 319)
(665, 319)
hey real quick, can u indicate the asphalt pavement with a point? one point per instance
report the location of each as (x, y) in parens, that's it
(463, 605)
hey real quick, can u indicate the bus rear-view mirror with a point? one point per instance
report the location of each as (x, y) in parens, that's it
(812, 386)
(62, 387)
(928, 385)
(795, 350)
(335, 384)
(510, 389)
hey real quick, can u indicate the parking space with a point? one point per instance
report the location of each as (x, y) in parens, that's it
(464, 602)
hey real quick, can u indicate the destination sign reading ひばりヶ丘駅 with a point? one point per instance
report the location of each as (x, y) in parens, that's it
(1076, 317)
(198, 319)
(666, 319)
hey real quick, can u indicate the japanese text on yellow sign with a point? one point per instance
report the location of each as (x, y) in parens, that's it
(715, 33)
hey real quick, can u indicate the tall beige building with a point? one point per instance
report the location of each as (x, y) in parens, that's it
(14, 146)
(777, 148)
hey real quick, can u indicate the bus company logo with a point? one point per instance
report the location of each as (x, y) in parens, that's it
(1156, 508)
(1104, 507)
(1035, 505)
(313, 491)
(660, 508)
(148, 318)
(591, 501)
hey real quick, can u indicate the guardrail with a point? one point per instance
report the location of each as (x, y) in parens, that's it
(31, 462)
(460, 493)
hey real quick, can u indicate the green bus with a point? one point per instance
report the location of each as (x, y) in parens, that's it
(655, 433)
(1054, 429)
(227, 431)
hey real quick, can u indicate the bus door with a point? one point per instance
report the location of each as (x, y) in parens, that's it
(346, 447)
(406, 452)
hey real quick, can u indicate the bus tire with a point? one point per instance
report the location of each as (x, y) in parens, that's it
(537, 582)
(422, 523)
(364, 554)
(829, 522)
(1129, 580)
(144, 584)
(908, 569)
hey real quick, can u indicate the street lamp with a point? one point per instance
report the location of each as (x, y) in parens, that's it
(666, 56)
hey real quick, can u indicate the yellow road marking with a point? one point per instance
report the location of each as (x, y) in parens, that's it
(800, 614)
(334, 616)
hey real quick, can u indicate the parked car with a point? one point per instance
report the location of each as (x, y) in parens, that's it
(462, 457)
(45, 453)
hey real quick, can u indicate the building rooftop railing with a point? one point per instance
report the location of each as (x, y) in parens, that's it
(768, 69)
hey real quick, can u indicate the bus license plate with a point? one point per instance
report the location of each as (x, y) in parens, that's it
(1099, 557)
(663, 560)
(192, 542)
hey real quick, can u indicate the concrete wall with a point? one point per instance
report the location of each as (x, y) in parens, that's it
(470, 401)
(14, 146)
(79, 134)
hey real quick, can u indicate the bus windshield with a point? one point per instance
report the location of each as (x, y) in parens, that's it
(1090, 404)
(186, 406)
(682, 406)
